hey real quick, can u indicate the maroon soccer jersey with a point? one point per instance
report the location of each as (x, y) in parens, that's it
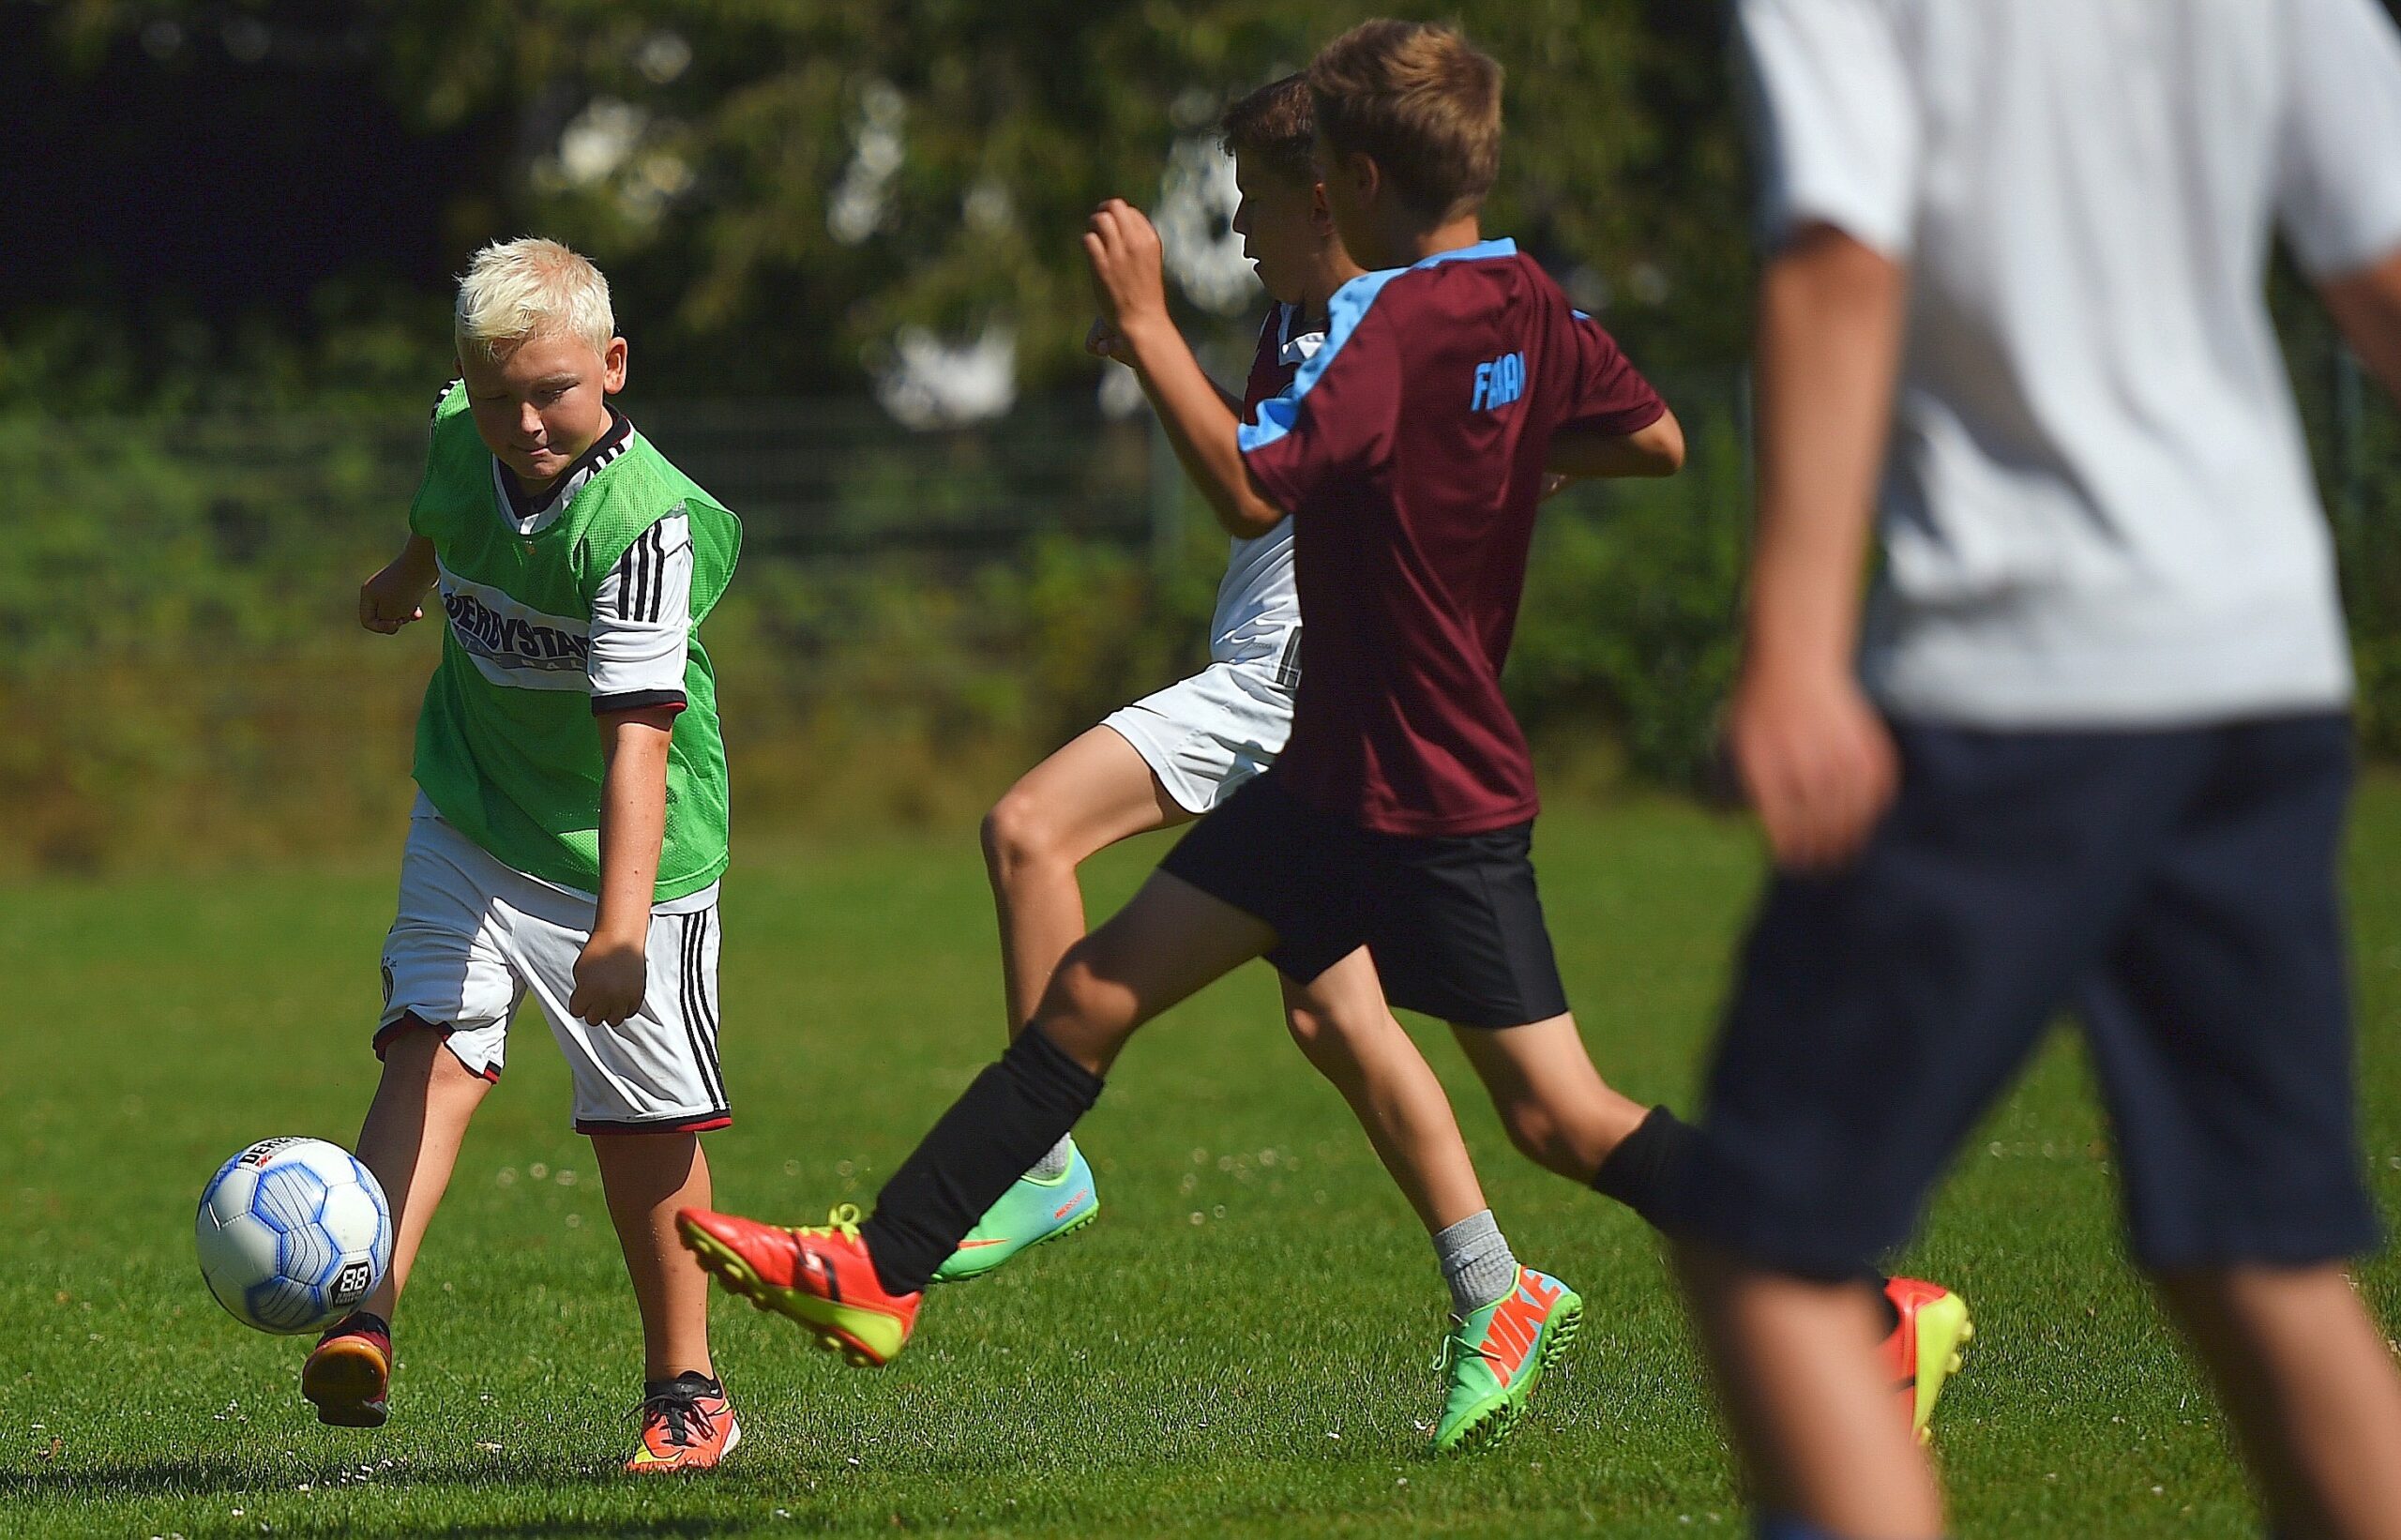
(1410, 454)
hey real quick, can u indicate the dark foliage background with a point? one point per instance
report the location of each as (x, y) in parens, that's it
(231, 230)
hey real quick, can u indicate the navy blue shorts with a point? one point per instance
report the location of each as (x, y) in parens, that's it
(2178, 889)
(1454, 922)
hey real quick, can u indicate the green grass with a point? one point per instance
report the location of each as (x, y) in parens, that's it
(1241, 1345)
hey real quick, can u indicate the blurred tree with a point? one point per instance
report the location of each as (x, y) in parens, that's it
(781, 190)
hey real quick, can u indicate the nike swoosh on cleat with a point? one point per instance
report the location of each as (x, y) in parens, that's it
(977, 1246)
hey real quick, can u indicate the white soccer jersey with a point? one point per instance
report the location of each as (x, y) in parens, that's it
(1259, 612)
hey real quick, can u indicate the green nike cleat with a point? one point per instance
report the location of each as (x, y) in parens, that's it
(1028, 1214)
(1497, 1355)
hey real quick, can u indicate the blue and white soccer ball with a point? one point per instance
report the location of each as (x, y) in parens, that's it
(292, 1233)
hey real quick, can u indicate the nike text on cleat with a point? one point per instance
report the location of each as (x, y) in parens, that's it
(1497, 1355)
(348, 1376)
(687, 1424)
(1925, 1349)
(1028, 1214)
(819, 1276)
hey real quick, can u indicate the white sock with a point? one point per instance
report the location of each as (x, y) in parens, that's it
(1476, 1262)
(1054, 1165)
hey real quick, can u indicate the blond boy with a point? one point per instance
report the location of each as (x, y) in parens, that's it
(570, 825)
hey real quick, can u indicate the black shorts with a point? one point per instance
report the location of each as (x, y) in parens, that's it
(2177, 888)
(1454, 923)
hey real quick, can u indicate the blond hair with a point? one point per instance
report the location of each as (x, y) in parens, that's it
(1419, 101)
(517, 290)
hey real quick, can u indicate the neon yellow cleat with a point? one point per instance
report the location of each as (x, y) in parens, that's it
(1925, 1349)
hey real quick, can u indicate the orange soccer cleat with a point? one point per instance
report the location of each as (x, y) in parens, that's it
(348, 1376)
(687, 1424)
(819, 1276)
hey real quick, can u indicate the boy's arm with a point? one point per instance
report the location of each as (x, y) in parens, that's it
(1812, 752)
(1124, 249)
(1580, 450)
(1103, 342)
(641, 646)
(1616, 424)
(613, 970)
(2366, 305)
(394, 596)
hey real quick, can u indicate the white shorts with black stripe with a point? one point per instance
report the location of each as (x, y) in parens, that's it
(1204, 737)
(473, 936)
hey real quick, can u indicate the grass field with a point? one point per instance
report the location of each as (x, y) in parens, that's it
(1241, 1345)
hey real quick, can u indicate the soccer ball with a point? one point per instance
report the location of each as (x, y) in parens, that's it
(292, 1233)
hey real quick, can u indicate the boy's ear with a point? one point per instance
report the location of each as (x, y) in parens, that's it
(1367, 178)
(1321, 212)
(613, 366)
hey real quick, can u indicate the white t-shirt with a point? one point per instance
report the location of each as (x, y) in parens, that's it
(2097, 508)
(1259, 612)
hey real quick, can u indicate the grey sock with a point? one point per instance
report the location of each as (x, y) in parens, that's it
(1054, 1165)
(1476, 1262)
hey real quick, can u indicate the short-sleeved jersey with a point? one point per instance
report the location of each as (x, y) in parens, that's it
(1258, 618)
(585, 600)
(2098, 510)
(1409, 456)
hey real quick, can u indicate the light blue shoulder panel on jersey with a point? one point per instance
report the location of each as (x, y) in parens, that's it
(1343, 313)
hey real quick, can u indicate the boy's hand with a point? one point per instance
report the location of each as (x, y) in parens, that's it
(610, 978)
(1102, 341)
(1816, 761)
(1128, 271)
(392, 597)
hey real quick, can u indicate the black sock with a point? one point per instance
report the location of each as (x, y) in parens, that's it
(1640, 1172)
(1014, 1112)
(1883, 1285)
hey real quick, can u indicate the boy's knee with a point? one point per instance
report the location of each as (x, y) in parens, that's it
(1309, 1028)
(1018, 830)
(1084, 1014)
(1077, 992)
(1542, 1136)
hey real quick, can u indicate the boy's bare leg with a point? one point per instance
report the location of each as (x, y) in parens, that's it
(411, 1141)
(1169, 943)
(1341, 1022)
(1559, 1111)
(647, 1177)
(2312, 1389)
(1090, 794)
(1807, 1399)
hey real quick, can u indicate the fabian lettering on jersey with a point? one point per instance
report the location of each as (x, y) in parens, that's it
(1499, 381)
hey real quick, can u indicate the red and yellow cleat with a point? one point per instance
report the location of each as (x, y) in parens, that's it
(1924, 1348)
(819, 1276)
(349, 1376)
(687, 1424)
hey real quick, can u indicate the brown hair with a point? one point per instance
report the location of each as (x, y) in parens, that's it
(1274, 126)
(1422, 103)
